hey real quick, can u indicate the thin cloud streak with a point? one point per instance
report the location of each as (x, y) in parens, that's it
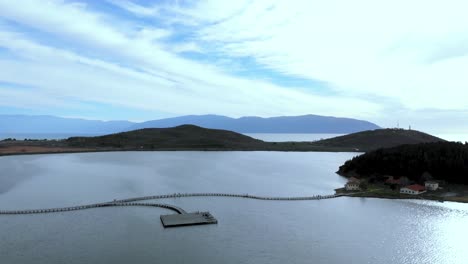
(173, 84)
(375, 58)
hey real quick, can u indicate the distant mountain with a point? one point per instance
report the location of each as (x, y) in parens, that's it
(283, 124)
(23, 124)
(380, 138)
(42, 124)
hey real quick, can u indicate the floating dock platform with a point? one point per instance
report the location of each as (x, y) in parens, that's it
(186, 219)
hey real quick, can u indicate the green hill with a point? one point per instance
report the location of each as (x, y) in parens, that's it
(191, 137)
(180, 137)
(380, 138)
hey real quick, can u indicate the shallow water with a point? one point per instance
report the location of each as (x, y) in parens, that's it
(342, 230)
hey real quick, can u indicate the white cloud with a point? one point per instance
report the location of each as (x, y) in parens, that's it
(200, 90)
(136, 9)
(411, 54)
(412, 51)
(185, 47)
(31, 99)
(152, 34)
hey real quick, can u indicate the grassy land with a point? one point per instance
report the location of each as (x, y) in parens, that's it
(459, 192)
(379, 138)
(185, 137)
(189, 137)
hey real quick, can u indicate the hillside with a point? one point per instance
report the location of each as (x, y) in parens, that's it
(194, 137)
(380, 138)
(282, 124)
(181, 137)
(442, 160)
(190, 137)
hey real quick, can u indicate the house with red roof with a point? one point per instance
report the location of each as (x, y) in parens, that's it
(414, 189)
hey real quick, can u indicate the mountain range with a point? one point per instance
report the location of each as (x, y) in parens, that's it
(24, 124)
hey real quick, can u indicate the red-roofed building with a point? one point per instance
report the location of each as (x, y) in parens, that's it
(414, 189)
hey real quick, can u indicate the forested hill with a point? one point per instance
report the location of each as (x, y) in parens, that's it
(181, 137)
(194, 137)
(443, 160)
(379, 138)
(190, 137)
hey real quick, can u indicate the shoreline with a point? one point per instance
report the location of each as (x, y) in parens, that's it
(38, 149)
(393, 196)
(454, 200)
(67, 150)
(398, 196)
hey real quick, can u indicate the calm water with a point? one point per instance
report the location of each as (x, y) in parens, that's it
(290, 137)
(343, 230)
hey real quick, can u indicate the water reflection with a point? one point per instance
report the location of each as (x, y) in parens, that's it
(344, 230)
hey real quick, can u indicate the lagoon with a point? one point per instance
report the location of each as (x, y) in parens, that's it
(342, 230)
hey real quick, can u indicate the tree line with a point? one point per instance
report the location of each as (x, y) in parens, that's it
(446, 161)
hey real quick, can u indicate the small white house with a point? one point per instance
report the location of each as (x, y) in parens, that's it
(431, 185)
(414, 189)
(353, 185)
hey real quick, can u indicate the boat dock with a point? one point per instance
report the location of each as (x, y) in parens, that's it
(197, 218)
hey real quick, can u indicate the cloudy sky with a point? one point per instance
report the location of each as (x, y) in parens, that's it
(383, 61)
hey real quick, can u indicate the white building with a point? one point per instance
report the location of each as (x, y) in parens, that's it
(431, 185)
(414, 189)
(353, 185)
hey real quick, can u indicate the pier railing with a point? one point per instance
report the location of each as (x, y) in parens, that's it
(135, 202)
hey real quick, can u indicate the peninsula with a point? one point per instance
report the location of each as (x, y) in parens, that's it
(436, 171)
(191, 137)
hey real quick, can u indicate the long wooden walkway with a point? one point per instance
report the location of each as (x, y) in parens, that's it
(89, 206)
(135, 202)
(247, 196)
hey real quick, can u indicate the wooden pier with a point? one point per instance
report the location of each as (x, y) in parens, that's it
(197, 218)
(181, 218)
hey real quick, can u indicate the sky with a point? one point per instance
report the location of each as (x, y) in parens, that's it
(387, 62)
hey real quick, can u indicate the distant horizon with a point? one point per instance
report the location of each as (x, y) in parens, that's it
(462, 137)
(263, 136)
(142, 60)
(430, 131)
(159, 118)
